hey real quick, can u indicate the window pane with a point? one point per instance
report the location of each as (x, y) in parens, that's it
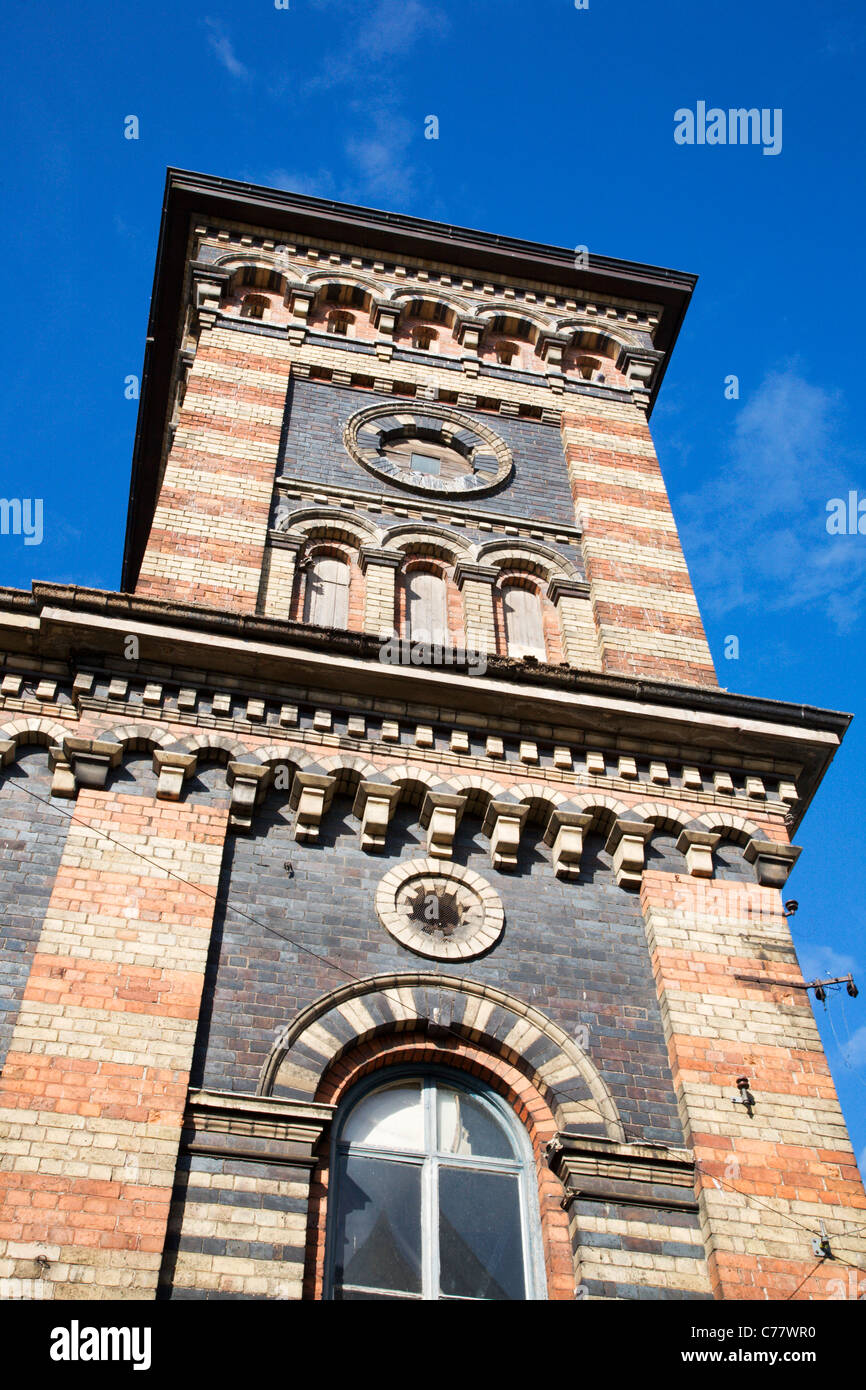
(388, 1119)
(480, 1241)
(424, 463)
(467, 1127)
(379, 1229)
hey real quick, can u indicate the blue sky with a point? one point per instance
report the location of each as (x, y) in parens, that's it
(555, 124)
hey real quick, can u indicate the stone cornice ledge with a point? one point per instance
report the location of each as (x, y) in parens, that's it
(66, 621)
(629, 1174)
(259, 1129)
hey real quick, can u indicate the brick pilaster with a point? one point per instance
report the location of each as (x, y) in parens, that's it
(764, 1181)
(94, 1087)
(207, 541)
(645, 610)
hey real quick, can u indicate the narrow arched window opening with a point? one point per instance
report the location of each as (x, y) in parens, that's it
(524, 625)
(427, 607)
(326, 592)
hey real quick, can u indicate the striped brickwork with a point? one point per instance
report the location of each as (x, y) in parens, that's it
(208, 536)
(645, 610)
(94, 1086)
(764, 1181)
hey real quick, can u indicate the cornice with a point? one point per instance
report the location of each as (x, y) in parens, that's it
(63, 623)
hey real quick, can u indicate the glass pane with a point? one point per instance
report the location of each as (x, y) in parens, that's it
(468, 1127)
(379, 1228)
(480, 1240)
(388, 1119)
(424, 463)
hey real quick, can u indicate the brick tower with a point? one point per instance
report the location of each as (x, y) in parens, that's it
(339, 964)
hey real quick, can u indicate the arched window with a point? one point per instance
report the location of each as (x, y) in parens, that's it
(338, 322)
(524, 629)
(427, 607)
(254, 306)
(326, 593)
(433, 1196)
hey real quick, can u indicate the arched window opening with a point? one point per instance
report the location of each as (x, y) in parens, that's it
(338, 322)
(254, 306)
(524, 625)
(427, 607)
(326, 592)
(433, 1196)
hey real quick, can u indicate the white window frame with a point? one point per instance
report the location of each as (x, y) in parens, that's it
(429, 1161)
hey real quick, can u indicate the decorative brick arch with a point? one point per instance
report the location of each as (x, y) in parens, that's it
(41, 732)
(730, 827)
(563, 1074)
(327, 523)
(545, 562)
(405, 775)
(349, 769)
(215, 747)
(601, 807)
(538, 793)
(140, 737)
(478, 791)
(441, 543)
(660, 814)
(419, 1050)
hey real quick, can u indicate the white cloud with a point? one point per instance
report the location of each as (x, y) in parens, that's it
(756, 532)
(317, 185)
(224, 51)
(853, 1049)
(822, 962)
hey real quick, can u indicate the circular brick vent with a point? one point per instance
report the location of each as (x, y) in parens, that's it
(440, 911)
(430, 449)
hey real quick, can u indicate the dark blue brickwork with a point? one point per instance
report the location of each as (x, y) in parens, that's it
(313, 449)
(32, 836)
(576, 951)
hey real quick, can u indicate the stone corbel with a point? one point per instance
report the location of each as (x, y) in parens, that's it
(441, 814)
(484, 574)
(311, 795)
(63, 779)
(374, 555)
(773, 861)
(698, 846)
(91, 759)
(468, 333)
(551, 346)
(502, 826)
(639, 366)
(374, 807)
(559, 587)
(626, 843)
(172, 769)
(385, 318)
(208, 283)
(300, 301)
(564, 833)
(248, 782)
(7, 751)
